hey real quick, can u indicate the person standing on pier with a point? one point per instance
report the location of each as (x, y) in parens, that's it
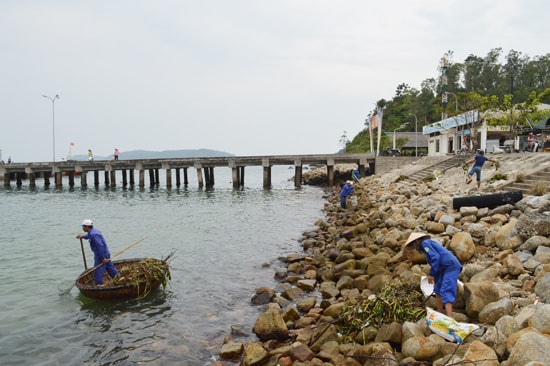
(90, 155)
(102, 256)
(116, 154)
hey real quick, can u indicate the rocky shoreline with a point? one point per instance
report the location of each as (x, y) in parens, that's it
(354, 252)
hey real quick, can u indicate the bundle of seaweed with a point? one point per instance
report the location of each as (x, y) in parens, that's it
(143, 274)
(396, 302)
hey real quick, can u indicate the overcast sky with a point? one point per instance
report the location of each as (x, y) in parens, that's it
(254, 77)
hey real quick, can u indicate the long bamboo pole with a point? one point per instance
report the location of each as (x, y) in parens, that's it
(122, 251)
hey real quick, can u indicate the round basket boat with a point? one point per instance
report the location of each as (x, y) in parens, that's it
(135, 288)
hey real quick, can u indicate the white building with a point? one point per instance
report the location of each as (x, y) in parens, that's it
(447, 136)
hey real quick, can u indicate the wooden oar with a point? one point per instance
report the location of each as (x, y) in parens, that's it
(122, 251)
(83, 255)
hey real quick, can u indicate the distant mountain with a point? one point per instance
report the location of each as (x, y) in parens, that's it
(167, 154)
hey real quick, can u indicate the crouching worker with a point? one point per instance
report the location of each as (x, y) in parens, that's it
(444, 269)
(347, 190)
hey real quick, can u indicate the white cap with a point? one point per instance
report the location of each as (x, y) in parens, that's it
(87, 222)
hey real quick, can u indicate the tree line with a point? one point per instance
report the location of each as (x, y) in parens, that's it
(511, 90)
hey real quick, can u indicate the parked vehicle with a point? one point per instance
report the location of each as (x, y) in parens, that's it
(391, 152)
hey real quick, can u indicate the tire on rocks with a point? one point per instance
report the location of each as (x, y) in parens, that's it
(489, 200)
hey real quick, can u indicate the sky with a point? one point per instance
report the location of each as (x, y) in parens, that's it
(247, 77)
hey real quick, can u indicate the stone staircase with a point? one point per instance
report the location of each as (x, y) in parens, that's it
(529, 182)
(452, 162)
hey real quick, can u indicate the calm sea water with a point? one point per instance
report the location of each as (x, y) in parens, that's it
(222, 238)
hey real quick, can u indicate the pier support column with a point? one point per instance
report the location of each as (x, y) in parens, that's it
(297, 173)
(46, 179)
(132, 180)
(185, 177)
(124, 178)
(235, 173)
(330, 172)
(96, 178)
(58, 179)
(107, 184)
(113, 178)
(267, 173)
(198, 167)
(168, 178)
(32, 177)
(209, 176)
(142, 178)
(199, 177)
(178, 177)
(84, 179)
(235, 177)
(241, 176)
(32, 180)
(19, 179)
(71, 179)
(151, 177)
(157, 177)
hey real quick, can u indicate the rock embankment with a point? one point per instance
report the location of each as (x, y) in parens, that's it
(505, 254)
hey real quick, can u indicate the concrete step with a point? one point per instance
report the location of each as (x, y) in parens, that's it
(452, 162)
(540, 177)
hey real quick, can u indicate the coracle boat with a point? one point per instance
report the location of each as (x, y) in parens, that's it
(136, 279)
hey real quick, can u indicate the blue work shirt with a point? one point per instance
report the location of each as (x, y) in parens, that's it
(347, 190)
(97, 244)
(438, 257)
(480, 160)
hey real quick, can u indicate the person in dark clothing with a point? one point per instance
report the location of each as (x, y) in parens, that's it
(101, 252)
(444, 269)
(347, 190)
(478, 161)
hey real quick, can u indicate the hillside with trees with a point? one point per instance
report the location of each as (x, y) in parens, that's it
(514, 87)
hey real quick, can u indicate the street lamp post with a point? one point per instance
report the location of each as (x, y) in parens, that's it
(415, 134)
(456, 101)
(398, 128)
(53, 120)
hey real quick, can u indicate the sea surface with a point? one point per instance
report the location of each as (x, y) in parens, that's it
(226, 242)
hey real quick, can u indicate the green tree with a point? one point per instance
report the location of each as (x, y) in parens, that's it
(516, 115)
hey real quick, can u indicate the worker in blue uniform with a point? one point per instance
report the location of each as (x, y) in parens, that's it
(102, 256)
(444, 269)
(478, 161)
(345, 191)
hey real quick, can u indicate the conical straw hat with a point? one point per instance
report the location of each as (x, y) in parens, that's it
(413, 237)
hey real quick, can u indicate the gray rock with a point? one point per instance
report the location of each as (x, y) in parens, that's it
(530, 347)
(542, 288)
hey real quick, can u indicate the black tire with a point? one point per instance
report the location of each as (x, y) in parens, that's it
(489, 200)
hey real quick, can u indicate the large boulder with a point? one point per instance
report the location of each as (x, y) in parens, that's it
(463, 246)
(478, 295)
(530, 347)
(270, 324)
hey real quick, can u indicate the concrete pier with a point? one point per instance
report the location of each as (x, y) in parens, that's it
(204, 168)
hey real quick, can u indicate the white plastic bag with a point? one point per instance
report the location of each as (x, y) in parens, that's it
(448, 328)
(428, 288)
